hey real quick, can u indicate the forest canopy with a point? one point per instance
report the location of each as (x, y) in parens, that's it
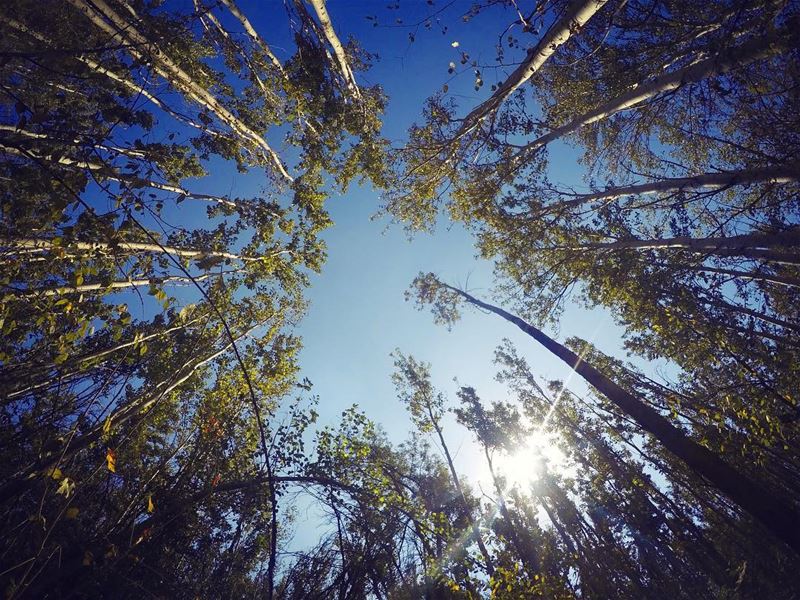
(159, 436)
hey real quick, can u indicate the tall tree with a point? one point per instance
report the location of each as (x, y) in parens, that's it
(146, 315)
(426, 407)
(776, 513)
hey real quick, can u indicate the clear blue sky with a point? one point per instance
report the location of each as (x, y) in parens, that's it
(358, 315)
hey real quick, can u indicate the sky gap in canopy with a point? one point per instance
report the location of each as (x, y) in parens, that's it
(357, 313)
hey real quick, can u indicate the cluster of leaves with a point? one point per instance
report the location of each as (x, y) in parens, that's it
(685, 120)
(146, 317)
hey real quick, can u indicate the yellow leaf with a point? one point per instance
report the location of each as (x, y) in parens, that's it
(66, 488)
(111, 460)
(107, 427)
(72, 512)
(150, 506)
(55, 473)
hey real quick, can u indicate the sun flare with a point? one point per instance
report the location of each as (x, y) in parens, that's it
(540, 454)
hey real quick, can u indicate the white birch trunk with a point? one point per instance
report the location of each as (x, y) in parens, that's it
(755, 246)
(120, 79)
(338, 50)
(252, 33)
(756, 49)
(577, 15)
(725, 179)
(98, 11)
(28, 245)
(104, 171)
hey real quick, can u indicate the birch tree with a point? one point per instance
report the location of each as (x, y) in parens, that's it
(145, 305)
(777, 514)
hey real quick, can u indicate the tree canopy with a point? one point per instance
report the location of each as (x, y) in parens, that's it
(167, 450)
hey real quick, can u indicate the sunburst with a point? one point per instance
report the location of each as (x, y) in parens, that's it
(527, 464)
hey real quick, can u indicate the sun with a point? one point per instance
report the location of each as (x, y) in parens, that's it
(526, 466)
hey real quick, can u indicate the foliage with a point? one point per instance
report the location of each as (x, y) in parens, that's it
(155, 431)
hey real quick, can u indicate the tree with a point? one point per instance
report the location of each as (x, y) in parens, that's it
(498, 429)
(426, 407)
(776, 514)
(124, 430)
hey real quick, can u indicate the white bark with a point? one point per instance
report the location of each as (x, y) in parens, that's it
(120, 79)
(757, 246)
(577, 15)
(26, 245)
(754, 50)
(252, 33)
(338, 50)
(267, 93)
(755, 276)
(109, 173)
(60, 160)
(61, 290)
(98, 11)
(139, 407)
(176, 190)
(724, 179)
(764, 241)
(129, 152)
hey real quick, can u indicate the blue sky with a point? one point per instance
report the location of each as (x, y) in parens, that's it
(358, 315)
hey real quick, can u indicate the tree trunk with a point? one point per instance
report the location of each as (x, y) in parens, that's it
(120, 79)
(758, 48)
(34, 245)
(251, 32)
(577, 15)
(776, 515)
(771, 278)
(129, 152)
(724, 179)
(750, 312)
(38, 372)
(338, 50)
(98, 11)
(105, 171)
(203, 14)
(764, 246)
(61, 290)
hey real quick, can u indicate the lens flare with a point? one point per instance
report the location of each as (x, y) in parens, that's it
(526, 466)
